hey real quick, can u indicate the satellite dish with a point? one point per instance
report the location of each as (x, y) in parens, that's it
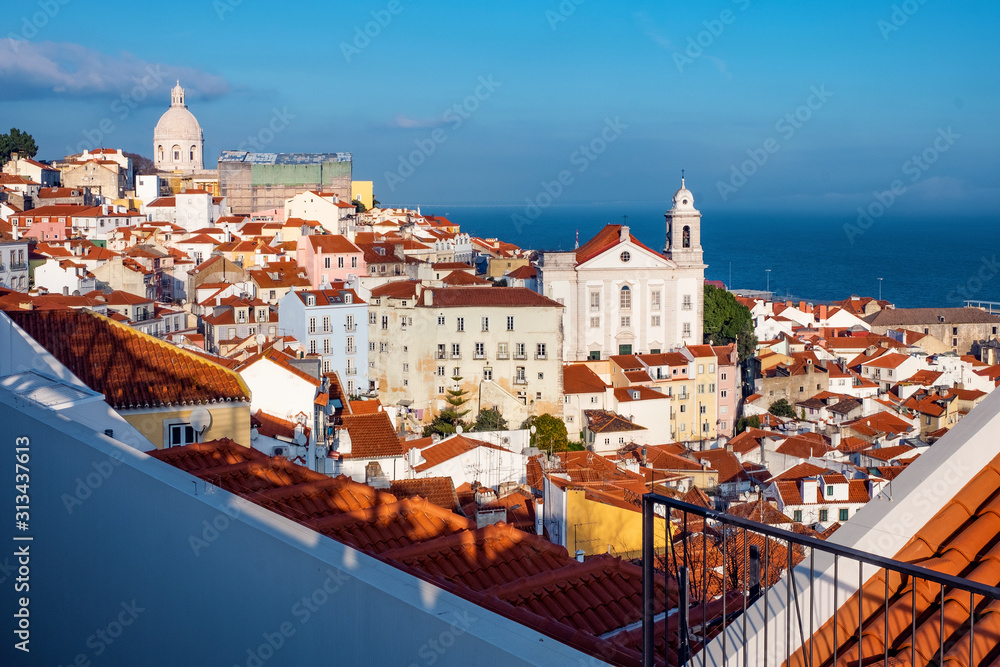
(201, 419)
(261, 339)
(459, 429)
(300, 438)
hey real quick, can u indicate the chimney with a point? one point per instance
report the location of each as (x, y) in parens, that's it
(643, 452)
(821, 313)
(802, 306)
(579, 555)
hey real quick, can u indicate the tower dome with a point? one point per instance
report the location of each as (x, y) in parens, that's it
(178, 141)
(683, 199)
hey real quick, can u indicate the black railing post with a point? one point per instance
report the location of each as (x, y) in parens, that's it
(753, 572)
(683, 620)
(648, 603)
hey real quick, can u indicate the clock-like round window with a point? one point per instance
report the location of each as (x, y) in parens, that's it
(685, 201)
(625, 256)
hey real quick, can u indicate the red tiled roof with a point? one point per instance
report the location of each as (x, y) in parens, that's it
(518, 575)
(605, 421)
(504, 297)
(131, 369)
(463, 278)
(438, 490)
(580, 379)
(332, 243)
(372, 436)
(448, 449)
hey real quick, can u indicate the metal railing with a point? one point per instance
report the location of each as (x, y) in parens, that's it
(759, 575)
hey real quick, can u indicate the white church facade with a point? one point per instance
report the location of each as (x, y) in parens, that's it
(622, 297)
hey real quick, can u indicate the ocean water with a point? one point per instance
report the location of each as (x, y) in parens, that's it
(923, 261)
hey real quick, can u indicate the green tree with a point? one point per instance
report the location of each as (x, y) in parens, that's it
(550, 432)
(490, 420)
(743, 423)
(781, 408)
(359, 206)
(449, 419)
(17, 141)
(728, 321)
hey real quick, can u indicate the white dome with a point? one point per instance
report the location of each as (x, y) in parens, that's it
(683, 199)
(178, 123)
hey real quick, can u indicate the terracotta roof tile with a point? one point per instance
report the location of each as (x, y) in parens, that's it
(438, 490)
(372, 436)
(131, 369)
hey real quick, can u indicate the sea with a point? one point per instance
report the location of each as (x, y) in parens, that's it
(922, 261)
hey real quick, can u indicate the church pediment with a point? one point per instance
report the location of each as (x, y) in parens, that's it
(627, 256)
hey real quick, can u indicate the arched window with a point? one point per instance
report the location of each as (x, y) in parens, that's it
(159, 152)
(625, 299)
(686, 240)
(192, 154)
(177, 153)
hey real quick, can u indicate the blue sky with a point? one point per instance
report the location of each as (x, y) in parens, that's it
(560, 74)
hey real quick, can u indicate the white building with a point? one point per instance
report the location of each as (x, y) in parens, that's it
(466, 459)
(14, 265)
(333, 324)
(622, 297)
(64, 276)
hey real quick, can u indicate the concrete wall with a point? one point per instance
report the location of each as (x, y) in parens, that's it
(219, 581)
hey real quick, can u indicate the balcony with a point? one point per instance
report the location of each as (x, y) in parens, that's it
(520, 380)
(456, 355)
(351, 350)
(503, 355)
(800, 581)
(18, 266)
(479, 355)
(521, 356)
(354, 327)
(541, 357)
(351, 370)
(441, 354)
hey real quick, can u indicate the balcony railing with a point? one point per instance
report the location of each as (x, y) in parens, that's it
(442, 355)
(541, 357)
(520, 355)
(503, 355)
(520, 380)
(479, 355)
(718, 582)
(351, 350)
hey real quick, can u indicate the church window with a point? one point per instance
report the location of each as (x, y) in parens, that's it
(686, 241)
(160, 153)
(177, 153)
(625, 256)
(625, 300)
(192, 154)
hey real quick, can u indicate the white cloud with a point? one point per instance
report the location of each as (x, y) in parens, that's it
(30, 70)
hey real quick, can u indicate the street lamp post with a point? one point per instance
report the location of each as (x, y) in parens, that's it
(879, 289)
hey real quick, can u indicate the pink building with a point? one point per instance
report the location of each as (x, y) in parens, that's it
(328, 258)
(728, 387)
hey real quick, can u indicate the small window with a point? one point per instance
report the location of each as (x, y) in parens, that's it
(843, 515)
(440, 320)
(824, 515)
(829, 490)
(179, 435)
(625, 256)
(797, 516)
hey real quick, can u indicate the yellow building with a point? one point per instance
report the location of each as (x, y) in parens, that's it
(595, 518)
(363, 191)
(172, 396)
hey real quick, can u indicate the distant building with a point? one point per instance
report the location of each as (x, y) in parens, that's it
(178, 142)
(958, 327)
(257, 181)
(623, 297)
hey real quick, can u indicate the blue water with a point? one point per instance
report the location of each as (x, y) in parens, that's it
(924, 262)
